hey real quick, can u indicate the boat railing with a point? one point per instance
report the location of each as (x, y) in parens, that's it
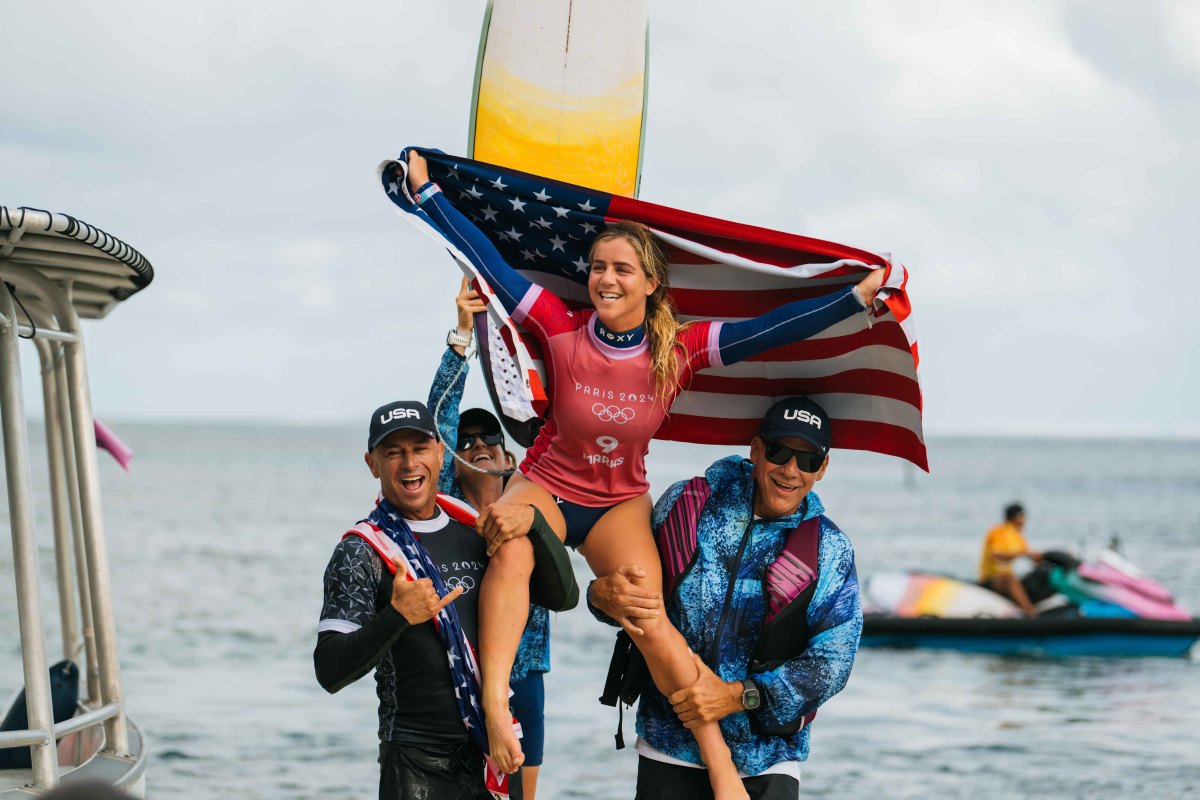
(28, 738)
(82, 571)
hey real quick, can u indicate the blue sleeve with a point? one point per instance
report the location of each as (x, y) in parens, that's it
(449, 390)
(792, 322)
(665, 503)
(508, 284)
(800, 686)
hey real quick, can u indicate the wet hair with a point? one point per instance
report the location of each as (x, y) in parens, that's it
(1012, 511)
(662, 324)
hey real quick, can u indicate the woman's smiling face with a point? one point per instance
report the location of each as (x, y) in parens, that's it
(618, 285)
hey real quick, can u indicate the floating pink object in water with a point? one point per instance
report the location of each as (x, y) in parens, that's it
(107, 440)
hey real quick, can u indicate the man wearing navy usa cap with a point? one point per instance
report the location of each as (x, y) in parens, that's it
(753, 534)
(401, 597)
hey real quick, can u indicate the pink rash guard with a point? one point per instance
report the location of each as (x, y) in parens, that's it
(603, 410)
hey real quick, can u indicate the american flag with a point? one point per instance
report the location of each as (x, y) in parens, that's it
(863, 371)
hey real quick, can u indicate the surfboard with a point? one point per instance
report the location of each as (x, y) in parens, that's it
(560, 91)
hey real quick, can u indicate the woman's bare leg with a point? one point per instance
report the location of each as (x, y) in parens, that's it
(503, 612)
(529, 776)
(623, 536)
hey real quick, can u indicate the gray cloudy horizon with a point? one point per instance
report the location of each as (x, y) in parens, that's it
(1034, 165)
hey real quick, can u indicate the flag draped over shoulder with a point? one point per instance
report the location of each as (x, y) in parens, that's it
(863, 370)
(387, 532)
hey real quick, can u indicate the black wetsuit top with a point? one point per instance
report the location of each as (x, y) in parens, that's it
(360, 629)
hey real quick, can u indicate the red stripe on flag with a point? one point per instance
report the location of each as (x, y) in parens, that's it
(898, 304)
(855, 381)
(748, 241)
(743, 303)
(532, 344)
(886, 334)
(880, 437)
(849, 434)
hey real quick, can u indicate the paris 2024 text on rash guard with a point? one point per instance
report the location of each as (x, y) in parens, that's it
(603, 405)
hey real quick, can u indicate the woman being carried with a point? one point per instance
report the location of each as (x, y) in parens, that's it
(613, 374)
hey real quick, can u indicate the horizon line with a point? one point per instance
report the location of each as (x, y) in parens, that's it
(1046, 430)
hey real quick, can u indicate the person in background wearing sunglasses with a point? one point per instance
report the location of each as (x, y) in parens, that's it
(477, 438)
(763, 587)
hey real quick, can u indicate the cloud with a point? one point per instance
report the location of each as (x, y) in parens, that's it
(1031, 163)
(1008, 59)
(1183, 32)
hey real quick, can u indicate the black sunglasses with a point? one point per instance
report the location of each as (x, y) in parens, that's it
(465, 440)
(780, 454)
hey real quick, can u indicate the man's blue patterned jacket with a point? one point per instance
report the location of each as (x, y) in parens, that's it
(796, 687)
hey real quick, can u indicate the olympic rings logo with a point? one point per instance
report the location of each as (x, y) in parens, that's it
(613, 413)
(467, 583)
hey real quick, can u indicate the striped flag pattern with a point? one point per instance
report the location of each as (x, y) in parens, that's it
(863, 371)
(386, 531)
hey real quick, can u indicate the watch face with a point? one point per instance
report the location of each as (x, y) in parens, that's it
(750, 698)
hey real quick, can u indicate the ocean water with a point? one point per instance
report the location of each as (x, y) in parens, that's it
(219, 537)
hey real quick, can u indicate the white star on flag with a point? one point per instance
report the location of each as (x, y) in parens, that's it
(489, 213)
(474, 192)
(515, 234)
(581, 264)
(541, 196)
(518, 204)
(586, 205)
(499, 184)
(558, 243)
(562, 212)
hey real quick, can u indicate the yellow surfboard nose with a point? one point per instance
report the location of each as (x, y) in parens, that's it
(561, 90)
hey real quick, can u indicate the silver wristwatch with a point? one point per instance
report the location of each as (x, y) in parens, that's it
(457, 338)
(751, 699)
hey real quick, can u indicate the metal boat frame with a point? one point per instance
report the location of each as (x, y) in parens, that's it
(55, 270)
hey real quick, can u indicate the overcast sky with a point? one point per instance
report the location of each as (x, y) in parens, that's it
(1035, 165)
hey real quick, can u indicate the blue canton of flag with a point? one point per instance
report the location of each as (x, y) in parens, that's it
(538, 225)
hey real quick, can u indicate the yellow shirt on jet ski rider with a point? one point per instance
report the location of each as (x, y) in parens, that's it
(1005, 540)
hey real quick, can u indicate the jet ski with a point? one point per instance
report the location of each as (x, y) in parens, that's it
(1103, 607)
